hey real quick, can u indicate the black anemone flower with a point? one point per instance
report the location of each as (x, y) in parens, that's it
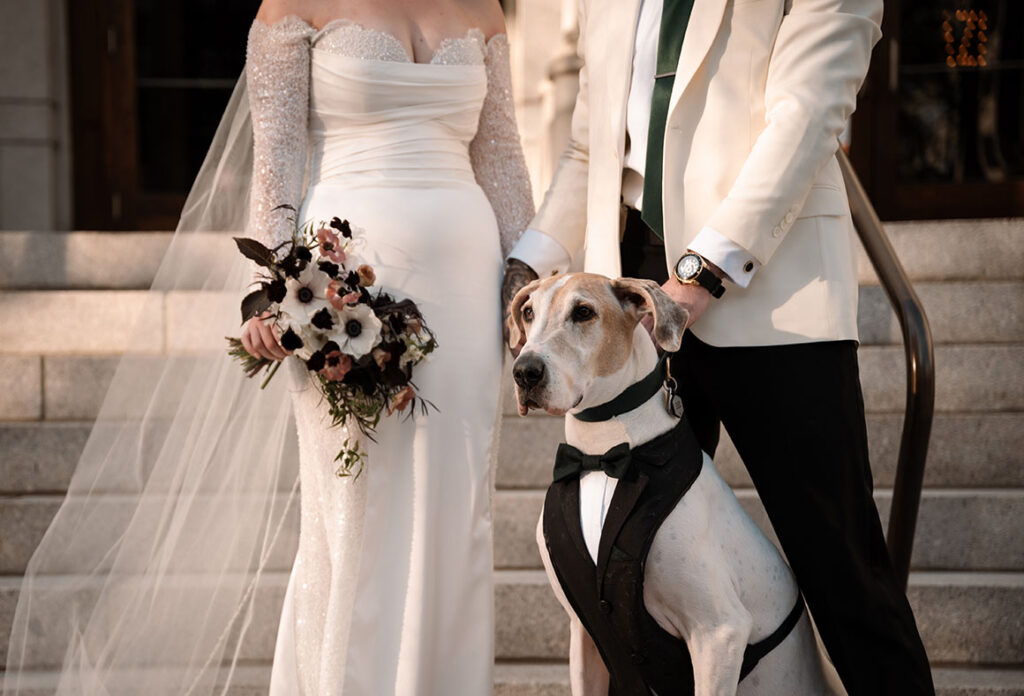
(329, 268)
(316, 361)
(323, 319)
(342, 226)
(290, 340)
(303, 253)
(276, 290)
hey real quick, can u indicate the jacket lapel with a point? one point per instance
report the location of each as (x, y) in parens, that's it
(627, 493)
(705, 21)
(613, 30)
(570, 500)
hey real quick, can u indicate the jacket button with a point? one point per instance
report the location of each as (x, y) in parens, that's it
(748, 266)
(777, 231)
(789, 217)
(638, 658)
(605, 606)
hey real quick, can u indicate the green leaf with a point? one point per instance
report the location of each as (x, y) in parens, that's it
(252, 249)
(254, 303)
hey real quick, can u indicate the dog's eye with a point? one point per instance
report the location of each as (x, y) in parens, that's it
(582, 313)
(528, 314)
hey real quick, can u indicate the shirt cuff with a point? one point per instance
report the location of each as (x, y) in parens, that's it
(738, 264)
(541, 252)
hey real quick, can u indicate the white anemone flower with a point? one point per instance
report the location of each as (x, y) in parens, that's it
(358, 330)
(306, 295)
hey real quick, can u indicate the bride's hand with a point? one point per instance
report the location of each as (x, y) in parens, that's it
(517, 275)
(260, 339)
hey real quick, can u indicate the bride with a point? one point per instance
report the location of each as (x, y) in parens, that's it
(396, 115)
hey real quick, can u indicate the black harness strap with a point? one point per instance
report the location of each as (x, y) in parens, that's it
(754, 653)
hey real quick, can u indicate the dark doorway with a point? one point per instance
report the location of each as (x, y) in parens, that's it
(939, 131)
(149, 81)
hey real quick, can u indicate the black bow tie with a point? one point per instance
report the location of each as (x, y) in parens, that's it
(569, 461)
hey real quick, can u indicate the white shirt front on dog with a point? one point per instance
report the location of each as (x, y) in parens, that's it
(596, 491)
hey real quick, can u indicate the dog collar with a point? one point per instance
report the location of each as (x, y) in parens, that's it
(634, 396)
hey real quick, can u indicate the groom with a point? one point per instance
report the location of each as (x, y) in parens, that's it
(703, 156)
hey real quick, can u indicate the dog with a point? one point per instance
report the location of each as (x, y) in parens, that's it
(710, 577)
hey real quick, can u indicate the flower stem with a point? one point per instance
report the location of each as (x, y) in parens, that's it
(277, 364)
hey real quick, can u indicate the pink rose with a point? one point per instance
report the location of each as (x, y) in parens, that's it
(381, 357)
(336, 366)
(366, 275)
(402, 400)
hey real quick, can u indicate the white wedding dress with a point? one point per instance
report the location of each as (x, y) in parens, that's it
(391, 591)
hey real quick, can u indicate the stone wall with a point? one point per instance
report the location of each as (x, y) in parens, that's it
(35, 155)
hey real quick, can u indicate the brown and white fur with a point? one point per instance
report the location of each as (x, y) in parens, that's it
(712, 577)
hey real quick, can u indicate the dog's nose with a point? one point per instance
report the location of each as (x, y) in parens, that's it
(528, 371)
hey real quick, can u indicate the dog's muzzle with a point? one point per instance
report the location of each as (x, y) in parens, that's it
(528, 372)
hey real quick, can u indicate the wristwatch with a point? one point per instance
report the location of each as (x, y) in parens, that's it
(692, 269)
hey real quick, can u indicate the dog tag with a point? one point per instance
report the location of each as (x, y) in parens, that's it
(673, 403)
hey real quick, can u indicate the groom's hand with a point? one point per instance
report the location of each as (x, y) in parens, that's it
(693, 298)
(517, 275)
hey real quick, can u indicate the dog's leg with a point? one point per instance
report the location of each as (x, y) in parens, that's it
(717, 654)
(587, 674)
(690, 586)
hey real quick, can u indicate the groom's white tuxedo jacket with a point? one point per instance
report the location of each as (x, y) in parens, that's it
(762, 90)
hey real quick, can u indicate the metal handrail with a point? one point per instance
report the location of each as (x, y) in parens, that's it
(917, 345)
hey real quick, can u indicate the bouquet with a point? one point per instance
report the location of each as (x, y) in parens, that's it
(360, 346)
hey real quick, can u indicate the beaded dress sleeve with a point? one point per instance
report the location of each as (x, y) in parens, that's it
(496, 151)
(277, 72)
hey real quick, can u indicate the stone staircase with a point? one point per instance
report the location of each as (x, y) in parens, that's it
(67, 298)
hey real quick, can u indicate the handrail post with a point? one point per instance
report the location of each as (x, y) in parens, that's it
(917, 345)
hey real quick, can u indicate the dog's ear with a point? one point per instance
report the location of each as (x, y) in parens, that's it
(644, 297)
(516, 330)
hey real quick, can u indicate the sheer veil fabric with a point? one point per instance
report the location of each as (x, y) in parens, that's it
(186, 494)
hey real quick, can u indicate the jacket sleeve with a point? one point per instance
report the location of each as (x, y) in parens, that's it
(819, 61)
(496, 151)
(277, 74)
(563, 214)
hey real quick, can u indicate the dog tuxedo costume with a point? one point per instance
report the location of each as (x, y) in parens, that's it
(642, 658)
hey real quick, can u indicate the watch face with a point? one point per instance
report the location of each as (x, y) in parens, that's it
(688, 267)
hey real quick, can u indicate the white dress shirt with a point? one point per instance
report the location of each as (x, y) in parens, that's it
(546, 256)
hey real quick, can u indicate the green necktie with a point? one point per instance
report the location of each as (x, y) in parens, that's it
(674, 17)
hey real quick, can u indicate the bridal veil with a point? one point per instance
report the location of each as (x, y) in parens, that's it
(148, 580)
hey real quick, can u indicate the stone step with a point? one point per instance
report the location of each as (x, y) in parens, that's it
(958, 312)
(54, 322)
(969, 378)
(954, 250)
(967, 451)
(956, 530)
(965, 618)
(929, 250)
(541, 679)
(552, 679)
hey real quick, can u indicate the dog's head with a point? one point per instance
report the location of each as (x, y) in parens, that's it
(579, 331)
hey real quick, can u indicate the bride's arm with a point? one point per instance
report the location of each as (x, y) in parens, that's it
(497, 153)
(277, 75)
(277, 72)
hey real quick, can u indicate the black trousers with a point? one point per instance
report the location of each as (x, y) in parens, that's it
(796, 416)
